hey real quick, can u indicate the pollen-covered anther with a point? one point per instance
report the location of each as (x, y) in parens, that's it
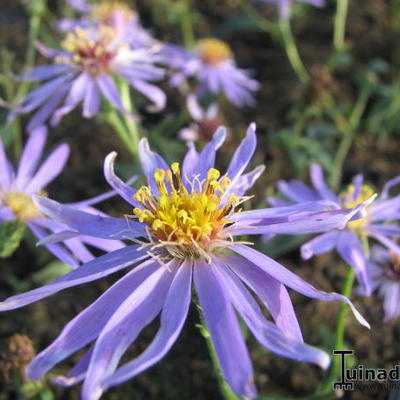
(350, 200)
(21, 205)
(106, 11)
(90, 51)
(187, 222)
(213, 51)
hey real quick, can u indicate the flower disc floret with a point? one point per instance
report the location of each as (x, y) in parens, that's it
(188, 223)
(349, 201)
(213, 51)
(21, 205)
(91, 52)
(106, 10)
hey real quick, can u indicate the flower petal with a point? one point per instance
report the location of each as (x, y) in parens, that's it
(301, 223)
(88, 324)
(246, 181)
(286, 211)
(207, 156)
(150, 162)
(44, 72)
(319, 245)
(125, 191)
(135, 312)
(189, 162)
(289, 279)
(110, 91)
(31, 155)
(95, 269)
(297, 191)
(5, 167)
(155, 94)
(264, 331)
(49, 170)
(225, 331)
(350, 249)
(173, 317)
(89, 224)
(243, 154)
(273, 294)
(388, 185)
(6, 214)
(318, 181)
(91, 101)
(47, 108)
(390, 244)
(77, 92)
(56, 249)
(391, 300)
(77, 373)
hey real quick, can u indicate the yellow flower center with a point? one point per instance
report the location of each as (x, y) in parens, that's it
(188, 224)
(21, 205)
(213, 51)
(91, 51)
(106, 11)
(348, 201)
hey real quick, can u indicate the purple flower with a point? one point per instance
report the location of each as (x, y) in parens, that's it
(183, 222)
(212, 64)
(17, 190)
(115, 14)
(375, 221)
(84, 71)
(385, 273)
(284, 5)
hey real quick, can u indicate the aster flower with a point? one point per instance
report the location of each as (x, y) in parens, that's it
(17, 189)
(205, 122)
(284, 5)
(115, 14)
(183, 221)
(84, 71)
(376, 222)
(213, 66)
(385, 276)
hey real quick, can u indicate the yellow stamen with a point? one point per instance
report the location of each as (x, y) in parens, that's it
(191, 221)
(213, 51)
(106, 9)
(21, 205)
(92, 55)
(349, 202)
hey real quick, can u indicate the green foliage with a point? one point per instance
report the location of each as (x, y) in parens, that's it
(51, 271)
(11, 234)
(36, 390)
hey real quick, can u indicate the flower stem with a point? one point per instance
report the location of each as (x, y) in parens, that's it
(260, 21)
(226, 391)
(348, 130)
(343, 311)
(114, 119)
(340, 24)
(37, 12)
(133, 131)
(291, 50)
(187, 24)
(339, 333)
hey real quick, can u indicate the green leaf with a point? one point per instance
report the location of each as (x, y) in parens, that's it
(11, 234)
(51, 271)
(47, 394)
